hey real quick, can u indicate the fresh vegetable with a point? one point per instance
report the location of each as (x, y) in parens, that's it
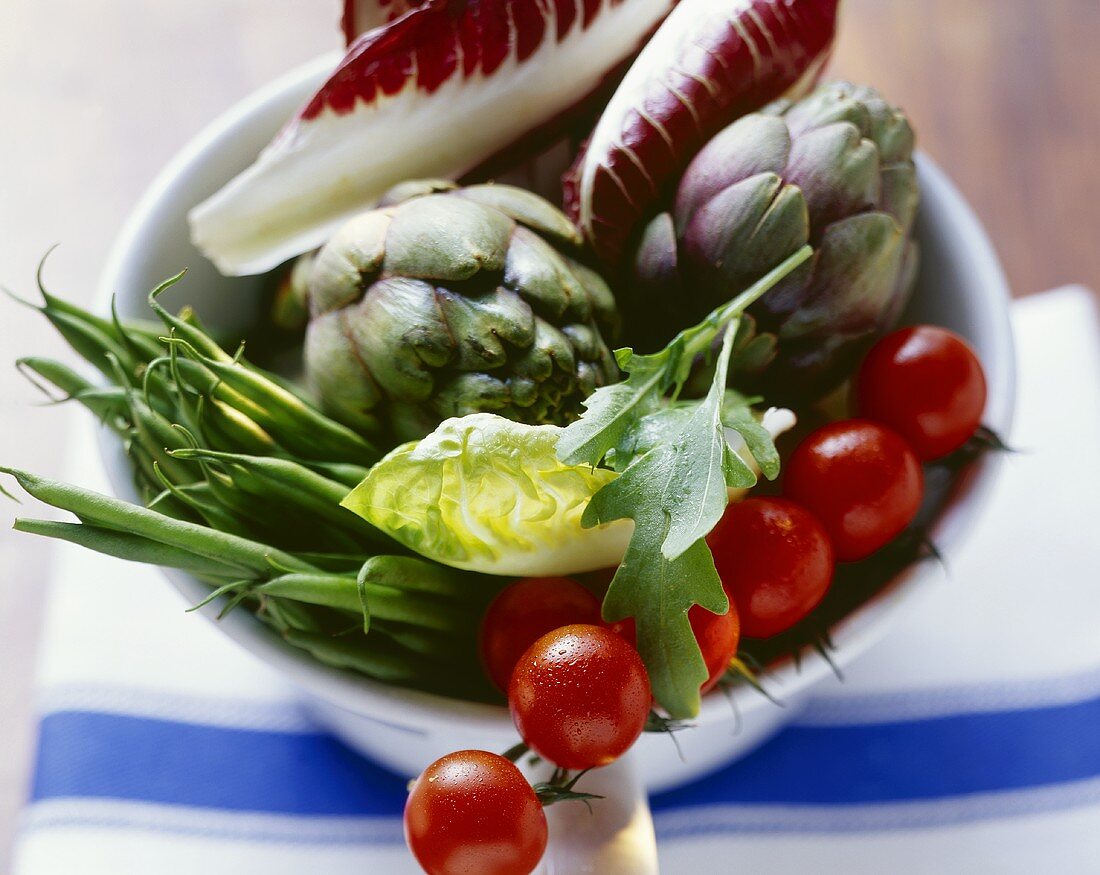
(717, 634)
(523, 613)
(834, 169)
(449, 87)
(359, 16)
(212, 438)
(418, 615)
(488, 494)
(775, 561)
(710, 62)
(447, 301)
(474, 812)
(465, 318)
(290, 309)
(676, 469)
(861, 480)
(580, 697)
(243, 478)
(927, 384)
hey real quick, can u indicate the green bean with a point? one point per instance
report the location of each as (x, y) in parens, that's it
(429, 644)
(335, 563)
(392, 667)
(168, 504)
(296, 424)
(120, 515)
(90, 342)
(110, 327)
(160, 439)
(284, 471)
(190, 328)
(419, 575)
(425, 611)
(210, 386)
(288, 615)
(345, 473)
(109, 406)
(106, 403)
(60, 375)
(243, 504)
(227, 428)
(277, 522)
(124, 545)
(290, 483)
(206, 510)
(140, 460)
(324, 590)
(142, 342)
(378, 602)
(193, 335)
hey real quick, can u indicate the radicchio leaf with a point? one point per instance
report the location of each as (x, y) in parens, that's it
(709, 63)
(359, 16)
(437, 92)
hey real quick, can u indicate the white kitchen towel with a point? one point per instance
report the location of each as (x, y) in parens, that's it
(968, 742)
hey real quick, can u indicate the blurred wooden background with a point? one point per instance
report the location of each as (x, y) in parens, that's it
(96, 96)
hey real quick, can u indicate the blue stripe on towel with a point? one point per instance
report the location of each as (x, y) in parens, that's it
(114, 756)
(91, 754)
(923, 759)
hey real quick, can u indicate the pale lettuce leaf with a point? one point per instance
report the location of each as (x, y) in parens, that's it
(486, 494)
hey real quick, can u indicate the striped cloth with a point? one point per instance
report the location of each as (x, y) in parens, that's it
(968, 742)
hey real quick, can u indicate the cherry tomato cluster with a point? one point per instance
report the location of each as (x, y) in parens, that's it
(851, 487)
(579, 696)
(577, 689)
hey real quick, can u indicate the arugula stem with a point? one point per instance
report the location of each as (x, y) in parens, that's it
(699, 342)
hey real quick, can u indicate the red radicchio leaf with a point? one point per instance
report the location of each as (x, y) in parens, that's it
(711, 62)
(439, 91)
(359, 16)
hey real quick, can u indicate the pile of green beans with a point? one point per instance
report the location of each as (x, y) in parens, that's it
(242, 476)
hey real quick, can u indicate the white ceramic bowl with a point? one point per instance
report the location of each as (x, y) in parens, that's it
(961, 287)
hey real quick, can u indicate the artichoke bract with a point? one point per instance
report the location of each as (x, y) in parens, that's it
(834, 170)
(447, 301)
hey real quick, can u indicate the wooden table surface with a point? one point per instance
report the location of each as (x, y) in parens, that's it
(97, 96)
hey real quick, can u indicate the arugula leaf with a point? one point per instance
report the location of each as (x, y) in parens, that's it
(676, 468)
(658, 593)
(675, 493)
(613, 411)
(737, 415)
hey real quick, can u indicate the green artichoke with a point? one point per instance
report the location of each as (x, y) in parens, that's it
(446, 301)
(834, 170)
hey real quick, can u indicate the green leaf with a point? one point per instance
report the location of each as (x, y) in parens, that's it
(675, 493)
(487, 494)
(737, 415)
(701, 466)
(676, 472)
(658, 593)
(610, 412)
(613, 411)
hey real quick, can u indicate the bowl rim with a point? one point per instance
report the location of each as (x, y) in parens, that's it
(417, 710)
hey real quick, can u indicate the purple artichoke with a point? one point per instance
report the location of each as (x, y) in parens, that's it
(834, 170)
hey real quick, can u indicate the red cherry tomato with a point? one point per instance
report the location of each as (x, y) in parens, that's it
(775, 561)
(718, 636)
(926, 384)
(861, 480)
(580, 697)
(473, 812)
(526, 611)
